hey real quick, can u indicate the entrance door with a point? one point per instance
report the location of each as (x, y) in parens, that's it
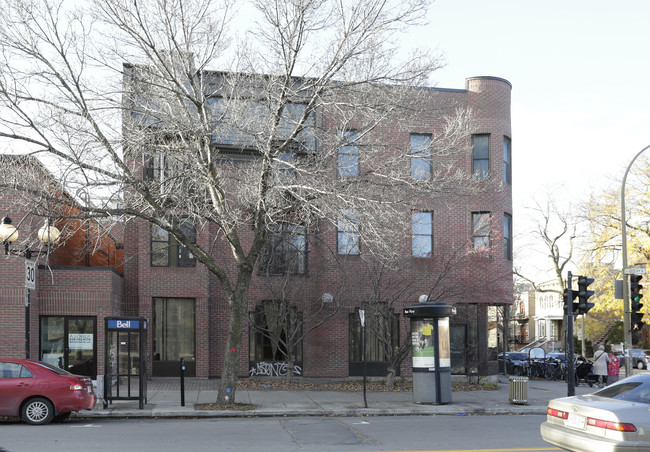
(71, 343)
(174, 336)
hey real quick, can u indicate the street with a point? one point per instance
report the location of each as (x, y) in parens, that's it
(412, 433)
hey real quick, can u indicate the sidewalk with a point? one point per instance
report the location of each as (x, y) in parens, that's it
(164, 400)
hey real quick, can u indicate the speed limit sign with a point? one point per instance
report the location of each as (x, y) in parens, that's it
(30, 275)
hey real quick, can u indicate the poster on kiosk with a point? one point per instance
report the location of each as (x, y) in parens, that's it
(424, 350)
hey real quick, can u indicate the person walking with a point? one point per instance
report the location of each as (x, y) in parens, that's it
(613, 368)
(600, 365)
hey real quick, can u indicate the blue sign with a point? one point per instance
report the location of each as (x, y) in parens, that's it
(124, 324)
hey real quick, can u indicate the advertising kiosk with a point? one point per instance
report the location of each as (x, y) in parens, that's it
(431, 351)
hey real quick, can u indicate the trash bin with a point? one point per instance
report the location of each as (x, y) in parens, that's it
(519, 390)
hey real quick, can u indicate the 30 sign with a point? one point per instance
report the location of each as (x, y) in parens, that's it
(30, 274)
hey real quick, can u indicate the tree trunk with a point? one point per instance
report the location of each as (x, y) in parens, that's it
(230, 369)
(390, 377)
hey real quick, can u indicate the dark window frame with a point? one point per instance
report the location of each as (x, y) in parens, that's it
(507, 160)
(507, 236)
(280, 244)
(348, 156)
(415, 234)
(421, 157)
(177, 256)
(260, 342)
(348, 234)
(481, 156)
(481, 230)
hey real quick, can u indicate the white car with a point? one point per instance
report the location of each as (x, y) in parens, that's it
(615, 418)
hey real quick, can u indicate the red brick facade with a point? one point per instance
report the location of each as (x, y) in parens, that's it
(110, 289)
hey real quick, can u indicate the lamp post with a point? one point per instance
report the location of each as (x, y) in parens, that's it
(627, 332)
(48, 235)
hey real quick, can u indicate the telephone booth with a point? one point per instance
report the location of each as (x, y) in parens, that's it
(126, 359)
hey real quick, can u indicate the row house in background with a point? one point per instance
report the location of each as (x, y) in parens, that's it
(149, 273)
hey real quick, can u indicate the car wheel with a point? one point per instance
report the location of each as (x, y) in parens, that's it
(38, 411)
(639, 365)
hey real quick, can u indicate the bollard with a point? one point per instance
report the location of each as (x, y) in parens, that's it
(182, 370)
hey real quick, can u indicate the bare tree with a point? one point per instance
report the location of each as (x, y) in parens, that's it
(557, 230)
(122, 100)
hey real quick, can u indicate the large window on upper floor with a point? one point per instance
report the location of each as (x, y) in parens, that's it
(285, 251)
(507, 160)
(348, 155)
(507, 236)
(348, 239)
(481, 231)
(420, 156)
(166, 251)
(481, 156)
(422, 234)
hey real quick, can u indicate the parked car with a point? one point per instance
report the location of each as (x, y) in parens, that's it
(614, 418)
(39, 392)
(640, 358)
(515, 362)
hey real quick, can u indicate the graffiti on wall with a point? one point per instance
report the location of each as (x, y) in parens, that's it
(273, 369)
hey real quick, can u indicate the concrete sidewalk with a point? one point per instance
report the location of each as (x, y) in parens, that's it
(164, 400)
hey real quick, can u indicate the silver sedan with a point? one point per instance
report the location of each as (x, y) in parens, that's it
(616, 418)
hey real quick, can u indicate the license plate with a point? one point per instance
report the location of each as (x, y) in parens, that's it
(576, 421)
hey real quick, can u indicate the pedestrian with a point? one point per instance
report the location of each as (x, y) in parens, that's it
(613, 368)
(600, 365)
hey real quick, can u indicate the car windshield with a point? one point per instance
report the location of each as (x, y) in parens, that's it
(53, 368)
(518, 356)
(634, 391)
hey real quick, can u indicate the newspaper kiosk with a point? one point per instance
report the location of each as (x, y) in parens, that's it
(126, 360)
(431, 351)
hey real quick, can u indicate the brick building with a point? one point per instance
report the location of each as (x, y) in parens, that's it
(185, 305)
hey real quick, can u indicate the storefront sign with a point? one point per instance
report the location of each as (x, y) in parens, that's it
(79, 341)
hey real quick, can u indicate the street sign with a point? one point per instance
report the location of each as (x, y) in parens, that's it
(634, 271)
(30, 274)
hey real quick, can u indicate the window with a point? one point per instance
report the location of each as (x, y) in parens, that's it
(422, 234)
(507, 160)
(481, 230)
(481, 156)
(276, 326)
(14, 370)
(165, 249)
(382, 333)
(173, 335)
(348, 158)
(348, 233)
(285, 251)
(507, 236)
(420, 156)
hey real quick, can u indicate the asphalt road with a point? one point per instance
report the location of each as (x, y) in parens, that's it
(410, 433)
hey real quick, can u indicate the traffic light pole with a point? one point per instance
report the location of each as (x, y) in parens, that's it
(627, 324)
(571, 369)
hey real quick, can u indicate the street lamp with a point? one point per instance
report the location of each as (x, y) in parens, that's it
(48, 235)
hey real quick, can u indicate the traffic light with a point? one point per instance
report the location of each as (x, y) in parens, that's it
(636, 317)
(583, 294)
(574, 298)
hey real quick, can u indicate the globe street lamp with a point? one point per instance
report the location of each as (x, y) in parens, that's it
(48, 235)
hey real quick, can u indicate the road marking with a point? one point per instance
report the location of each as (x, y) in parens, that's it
(85, 426)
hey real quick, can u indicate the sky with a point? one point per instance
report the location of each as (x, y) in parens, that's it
(580, 72)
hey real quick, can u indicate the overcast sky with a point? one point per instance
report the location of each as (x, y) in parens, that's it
(580, 72)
